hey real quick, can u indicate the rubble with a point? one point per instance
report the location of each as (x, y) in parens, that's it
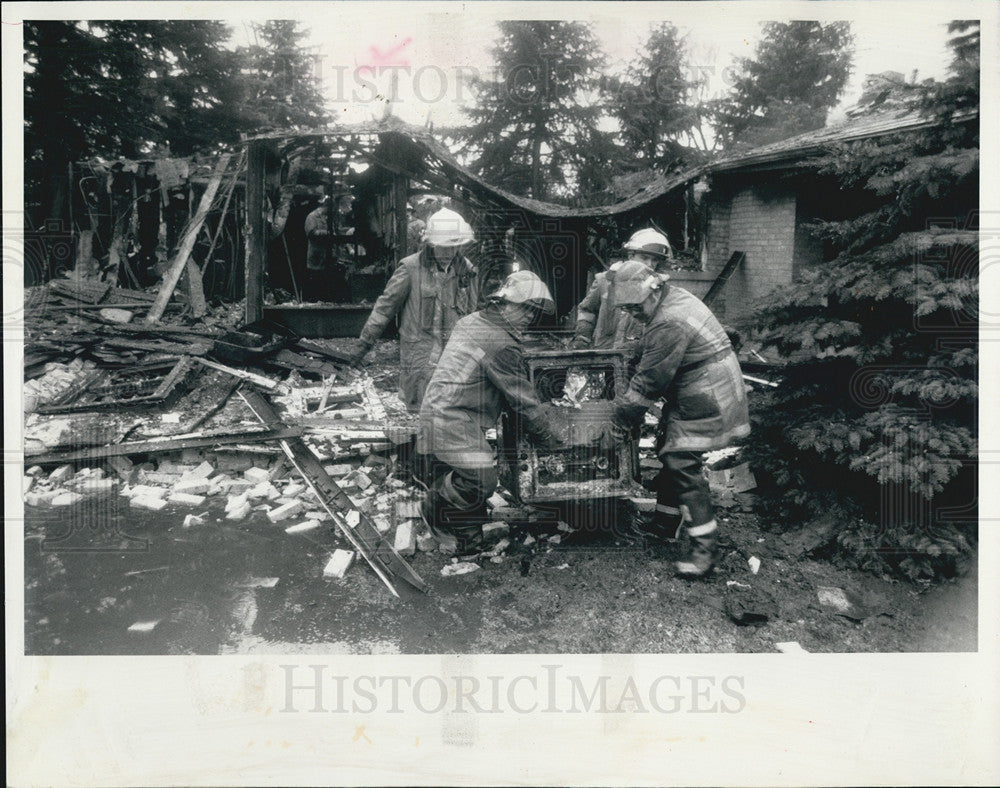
(285, 511)
(405, 541)
(338, 564)
(61, 473)
(495, 529)
(460, 568)
(148, 502)
(257, 475)
(238, 512)
(201, 446)
(186, 499)
(40, 498)
(306, 525)
(340, 469)
(96, 485)
(143, 491)
(203, 471)
(236, 501)
(191, 486)
(406, 510)
(426, 542)
(66, 498)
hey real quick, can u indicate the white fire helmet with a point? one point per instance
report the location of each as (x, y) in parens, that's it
(651, 242)
(447, 228)
(525, 287)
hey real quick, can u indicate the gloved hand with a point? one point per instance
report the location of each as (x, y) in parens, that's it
(580, 342)
(358, 355)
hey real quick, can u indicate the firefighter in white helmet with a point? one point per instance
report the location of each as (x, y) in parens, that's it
(430, 290)
(599, 324)
(688, 360)
(480, 373)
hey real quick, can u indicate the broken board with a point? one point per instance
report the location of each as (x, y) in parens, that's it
(364, 536)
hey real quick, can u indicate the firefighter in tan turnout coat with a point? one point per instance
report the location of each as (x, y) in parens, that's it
(688, 360)
(599, 323)
(430, 290)
(480, 373)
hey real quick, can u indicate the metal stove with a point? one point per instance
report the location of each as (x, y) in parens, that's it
(585, 383)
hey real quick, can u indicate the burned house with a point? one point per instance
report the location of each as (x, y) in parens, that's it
(385, 165)
(761, 203)
(739, 226)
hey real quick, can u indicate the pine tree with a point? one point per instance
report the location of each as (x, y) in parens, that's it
(875, 420)
(118, 88)
(531, 125)
(283, 90)
(654, 103)
(797, 75)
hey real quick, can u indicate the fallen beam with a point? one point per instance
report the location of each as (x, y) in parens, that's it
(158, 445)
(257, 380)
(760, 381)
(720, 281)
(363, 535)
(183, 255)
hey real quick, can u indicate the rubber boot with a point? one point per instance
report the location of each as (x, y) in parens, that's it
(663, 526)
(457, 530)
(703, 551)
(430, 513)
(467, 525)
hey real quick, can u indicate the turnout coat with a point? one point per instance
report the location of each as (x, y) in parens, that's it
(480, 373)
(688, 360)
(429, 303)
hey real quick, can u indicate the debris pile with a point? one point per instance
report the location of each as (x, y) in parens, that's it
(163, 416)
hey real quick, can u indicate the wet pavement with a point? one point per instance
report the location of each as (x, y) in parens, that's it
(101, 579)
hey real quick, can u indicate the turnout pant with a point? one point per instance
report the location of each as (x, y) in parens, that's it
(456, 497)
(682, 492)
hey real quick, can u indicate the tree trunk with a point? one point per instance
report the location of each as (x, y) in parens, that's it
(537, 187)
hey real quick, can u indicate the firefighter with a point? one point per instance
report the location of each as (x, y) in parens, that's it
(480, 372)
(326, 266)
(430, 290)
(599, 324)
(688, 360)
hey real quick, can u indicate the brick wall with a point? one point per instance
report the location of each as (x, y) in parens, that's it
(714, 252)
(759, 220)
(808, 249)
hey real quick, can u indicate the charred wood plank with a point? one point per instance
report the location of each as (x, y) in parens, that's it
(723, 277)
(183, 256)
(88, 292)
(160, 445)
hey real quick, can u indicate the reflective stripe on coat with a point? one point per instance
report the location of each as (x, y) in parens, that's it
(480, 372)
(687, 359)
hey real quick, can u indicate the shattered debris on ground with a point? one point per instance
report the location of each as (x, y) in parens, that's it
(198, 455)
